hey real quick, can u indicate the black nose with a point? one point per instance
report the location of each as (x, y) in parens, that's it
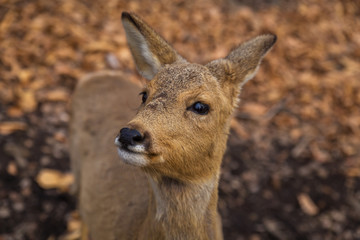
(130, 136)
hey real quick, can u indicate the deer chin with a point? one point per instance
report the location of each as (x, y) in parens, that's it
(132, 157)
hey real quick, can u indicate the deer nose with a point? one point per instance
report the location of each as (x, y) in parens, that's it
(130, 136)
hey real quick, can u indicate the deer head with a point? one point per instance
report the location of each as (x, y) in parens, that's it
(181, 127)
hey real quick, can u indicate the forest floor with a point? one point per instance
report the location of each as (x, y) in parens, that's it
(292, 167)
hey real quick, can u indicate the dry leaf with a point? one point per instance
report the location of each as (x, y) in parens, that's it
(318, 154)
(49, 178)
(352, 167)
(27, 101)
(255, 109)
(12, 169)
(10, 127)
(60, 137)
(99, 47)
(14, 112)
(38, 84)
(74, 227)
(57, 95)
(307, 204)
(25, 75)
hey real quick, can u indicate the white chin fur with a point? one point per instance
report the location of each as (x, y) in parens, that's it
(136, 159)
(137, 148)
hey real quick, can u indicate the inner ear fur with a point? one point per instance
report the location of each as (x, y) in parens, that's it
(149, 50)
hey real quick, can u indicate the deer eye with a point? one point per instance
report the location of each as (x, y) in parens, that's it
(144, 96)
(199, 108)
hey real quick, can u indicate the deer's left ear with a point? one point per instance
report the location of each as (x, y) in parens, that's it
(149, 50)
(243, 62)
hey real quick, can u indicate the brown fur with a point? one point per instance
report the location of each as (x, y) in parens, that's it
(174, 194)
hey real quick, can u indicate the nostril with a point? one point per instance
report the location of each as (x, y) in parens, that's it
(137, 137)
(130, 136)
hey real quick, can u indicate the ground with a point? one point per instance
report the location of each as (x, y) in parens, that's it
(292, 167)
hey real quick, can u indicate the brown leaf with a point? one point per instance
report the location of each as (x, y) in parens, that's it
(14, 112)
(307, 204)
(74, 227)
(102, 46)
(27, 101)
(12, 169)
(319, 154)
(60, 137)
(353, 172)
(49, 178)
(255, 109)
(25, 76)
(57, 95)
(10, 127)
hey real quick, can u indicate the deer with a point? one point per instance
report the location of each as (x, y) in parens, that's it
(160, 179)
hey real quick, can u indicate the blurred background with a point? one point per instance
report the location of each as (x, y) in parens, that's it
(292, 168)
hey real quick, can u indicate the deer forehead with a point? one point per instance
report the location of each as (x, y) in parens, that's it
(182, 79)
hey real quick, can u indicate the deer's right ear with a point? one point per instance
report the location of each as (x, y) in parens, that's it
(149, 50)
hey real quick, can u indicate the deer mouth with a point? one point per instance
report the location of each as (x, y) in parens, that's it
(132, 154)
(133, 158)
(138, 154)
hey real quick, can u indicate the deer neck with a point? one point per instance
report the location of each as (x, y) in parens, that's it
(180, 210)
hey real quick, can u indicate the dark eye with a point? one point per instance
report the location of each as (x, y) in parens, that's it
(144, 96)
(199, 108)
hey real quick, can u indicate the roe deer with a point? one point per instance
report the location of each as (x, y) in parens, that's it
(166, 184)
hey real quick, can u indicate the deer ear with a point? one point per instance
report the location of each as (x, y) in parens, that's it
(247, 57)
(243, 62)
(240, 65)
(149, 50)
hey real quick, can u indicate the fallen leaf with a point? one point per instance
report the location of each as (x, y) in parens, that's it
(99, 47)
(60, 137)
(27, 101)
(319, 154)
(255, 109)
(74, 227)
(353, 172)
(14, 112)
(10, 127)
(57, 95)
(25, 76)
(307, 204)
(12, 169)
(49, 178)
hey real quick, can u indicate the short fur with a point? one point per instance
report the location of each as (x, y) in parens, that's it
(174, 193)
